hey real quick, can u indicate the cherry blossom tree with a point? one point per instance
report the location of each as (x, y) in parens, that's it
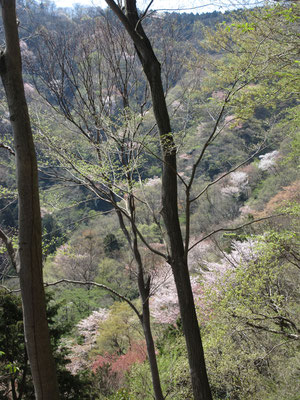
(88, 328)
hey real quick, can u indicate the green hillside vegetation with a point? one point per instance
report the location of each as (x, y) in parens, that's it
(231, 84)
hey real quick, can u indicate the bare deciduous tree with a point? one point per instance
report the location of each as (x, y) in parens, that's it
(93, 96)
(178, 248)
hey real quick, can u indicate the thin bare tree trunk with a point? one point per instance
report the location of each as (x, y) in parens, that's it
(178, 259)
(151, 350)
(30, 248)
(144, 290)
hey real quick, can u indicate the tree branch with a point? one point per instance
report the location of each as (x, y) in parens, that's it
(117, 10)
(267, 329)
(144, 13)
(9, 247)
(211, 137)
(8, 148)
(233, 229)
(84, 283)
(225, 174)
(99, 285)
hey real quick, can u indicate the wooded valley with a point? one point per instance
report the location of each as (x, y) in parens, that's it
(149, 208)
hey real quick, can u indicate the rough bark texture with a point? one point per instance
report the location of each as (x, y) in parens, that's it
(30, 250)
(178, 259)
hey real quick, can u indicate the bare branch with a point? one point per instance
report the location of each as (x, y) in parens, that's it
(117, 10)
(9, 247)
(144, 15)
(267, 329)
(84, 283)
(233, 229)
(8, 148)
(8, 205)
(273, 348)
(146, 11)
(152, 249)
(3, 275)
(211, 136)
(226, 174)
(99, 285)
(9, 290)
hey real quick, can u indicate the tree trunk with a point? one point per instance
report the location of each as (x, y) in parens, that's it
(144, 290)
(151, 351)
(30, 248)
(178, 262)
(201, 388)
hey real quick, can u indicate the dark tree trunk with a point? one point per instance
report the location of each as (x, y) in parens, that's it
(178, 259)
(30, 249)
(151, 351)
(144, 290)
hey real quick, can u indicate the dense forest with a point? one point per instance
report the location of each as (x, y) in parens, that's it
(167, 149)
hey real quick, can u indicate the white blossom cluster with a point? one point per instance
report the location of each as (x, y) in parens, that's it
(88, 327)
(268, 160)
(153, 181)
(27, 55)
(242, 253)
(29, 90)
(164, 301)
(198, 253)
(238, 184)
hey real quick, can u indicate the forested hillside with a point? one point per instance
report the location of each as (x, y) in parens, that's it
(149, 194)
